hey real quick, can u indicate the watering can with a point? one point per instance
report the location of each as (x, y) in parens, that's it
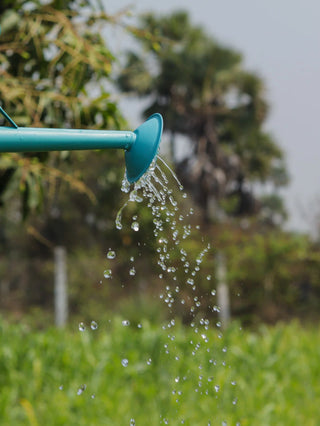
(141, 145)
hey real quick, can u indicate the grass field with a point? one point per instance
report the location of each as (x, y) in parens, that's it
(149, 375)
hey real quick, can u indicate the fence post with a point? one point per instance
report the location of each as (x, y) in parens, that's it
(60, 287)
(223, 291)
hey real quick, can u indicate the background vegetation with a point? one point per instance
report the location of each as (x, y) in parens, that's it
(57, 70)
(59, 377)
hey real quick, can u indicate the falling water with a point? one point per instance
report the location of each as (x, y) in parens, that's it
(181, 274)
(172, 227)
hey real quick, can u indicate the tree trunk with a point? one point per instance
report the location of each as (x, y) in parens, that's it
(223, 292)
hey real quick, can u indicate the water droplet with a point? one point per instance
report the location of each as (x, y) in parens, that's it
(135, 226)
(134, 196)
(107, 273)
(149, 361)
(132, 271)
(61, 387)
(217, 388)
(125, 323)
(93, 325)
(118, 224)
(93, 396)
(234, 402)
(119, 217)
(132, 422)
(111, 254)
(208, 277)
(190, 281)
(82, 327)
(125, 187)
(172, 201)
(81, 389)
(213, 292)
(124, 362)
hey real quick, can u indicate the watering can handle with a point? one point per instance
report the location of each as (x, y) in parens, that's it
(2, 111)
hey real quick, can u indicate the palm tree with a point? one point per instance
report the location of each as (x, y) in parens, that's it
(205, 94)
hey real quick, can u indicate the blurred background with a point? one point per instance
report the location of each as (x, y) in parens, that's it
(237, 85)
(237, 92)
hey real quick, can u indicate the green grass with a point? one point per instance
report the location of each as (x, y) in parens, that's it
(276, 370)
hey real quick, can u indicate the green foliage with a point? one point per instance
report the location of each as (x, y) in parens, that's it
(49, 57)
(274, 373)
(271, 273)
(54, 68)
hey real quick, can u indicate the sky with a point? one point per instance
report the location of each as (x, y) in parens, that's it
(280, 40)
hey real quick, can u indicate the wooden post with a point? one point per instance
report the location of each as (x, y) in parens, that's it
(222, 291)
(60, 287)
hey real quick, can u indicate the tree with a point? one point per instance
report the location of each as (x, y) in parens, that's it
(54, 64)
(205, 94)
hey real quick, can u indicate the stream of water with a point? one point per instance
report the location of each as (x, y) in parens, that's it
(172, 217)
(179, 270)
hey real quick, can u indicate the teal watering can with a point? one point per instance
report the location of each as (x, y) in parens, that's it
(141, 145)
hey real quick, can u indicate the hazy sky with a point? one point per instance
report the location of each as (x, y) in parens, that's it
(280, 39)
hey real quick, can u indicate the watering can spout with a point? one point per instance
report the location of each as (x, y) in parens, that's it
(141, 146)
(142, 152)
